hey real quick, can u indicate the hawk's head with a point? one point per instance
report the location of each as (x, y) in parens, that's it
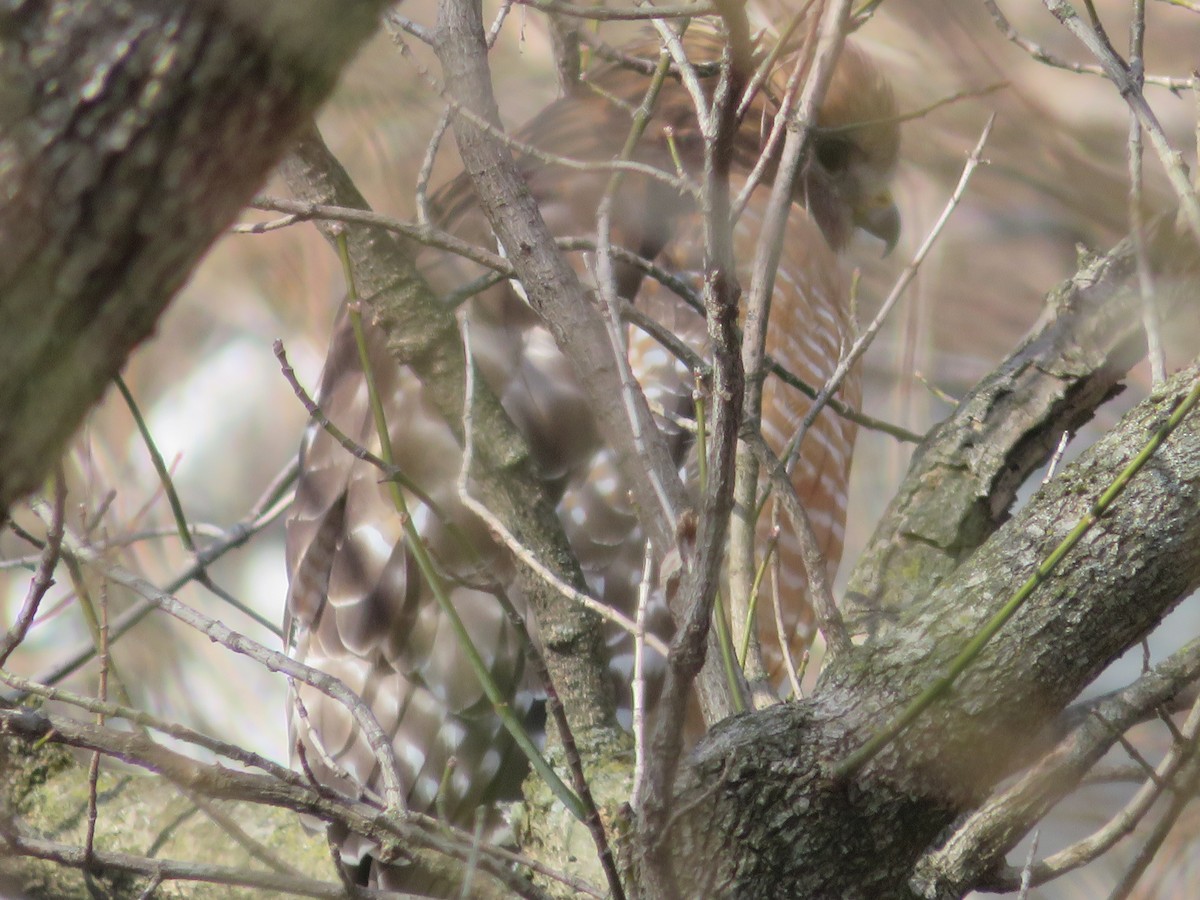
(854, 154)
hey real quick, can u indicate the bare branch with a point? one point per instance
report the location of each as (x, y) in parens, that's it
(164, 870)
(618, 14)
(1045, 56)
(102, 229)
(829, 619)
(1010, 423)
(271, 659)
(43, 577)
(983, 840)
(1117, 71)
(551, 285)
(864, 340)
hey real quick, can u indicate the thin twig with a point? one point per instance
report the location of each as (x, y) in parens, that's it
(93, 778)
(1158, 779)
(619, 14)
(1183, 4)
(1184, 795)
(645, 589)
(756, 588)
(794, 673)
(271, 659)
(558, 714)
(864, 340)
(503, 269)
(921, 111)
(632, 397)
(1137, 224)
(1118, 72)
(824, 53)
(1056, 457)
(787, 113)
(247, 842)
(829, 617)
(1127, 745)
(429, 236)
(689, 76)
(162, 870)
(767, 67)
(147, 721)
(1043, 55)
(263, 227)
(358, 451)
(43, 577)
(522, 148)
(421, 194)
(685, 291)
(635, 63)
(269, 506)
(1027, 870)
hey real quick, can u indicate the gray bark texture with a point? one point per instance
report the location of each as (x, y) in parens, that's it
(131, 133)
(762, 803)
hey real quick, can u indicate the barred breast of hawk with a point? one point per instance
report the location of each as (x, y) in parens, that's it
(358, 607)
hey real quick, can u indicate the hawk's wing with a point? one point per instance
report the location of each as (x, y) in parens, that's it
(357, 606)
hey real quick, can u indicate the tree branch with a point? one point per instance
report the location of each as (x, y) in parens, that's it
(976, 850)
(422, 333)
(763, 806)
(552, 286)
(131, 135)
(964, 478)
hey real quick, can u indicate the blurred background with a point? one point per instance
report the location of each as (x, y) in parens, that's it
(227, 423)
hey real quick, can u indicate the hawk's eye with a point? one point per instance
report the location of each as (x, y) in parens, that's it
(833, 155)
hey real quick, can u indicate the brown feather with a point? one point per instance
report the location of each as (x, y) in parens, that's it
(358, 608)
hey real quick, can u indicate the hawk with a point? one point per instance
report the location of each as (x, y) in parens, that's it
(357, 606)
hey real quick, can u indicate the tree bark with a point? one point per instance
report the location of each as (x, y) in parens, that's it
(131, 133)
(964, 477)
(760, 799)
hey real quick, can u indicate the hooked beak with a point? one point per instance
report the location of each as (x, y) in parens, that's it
(879, 216)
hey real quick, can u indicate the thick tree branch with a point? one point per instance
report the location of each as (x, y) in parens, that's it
(963, 479)
(762, 806)
(130, 135)
(976, 850)
(394, 833)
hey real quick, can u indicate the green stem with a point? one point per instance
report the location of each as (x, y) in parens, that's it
(729, 662)
(429, 571)
(755, 593)
(974, 647)
(181, 522)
